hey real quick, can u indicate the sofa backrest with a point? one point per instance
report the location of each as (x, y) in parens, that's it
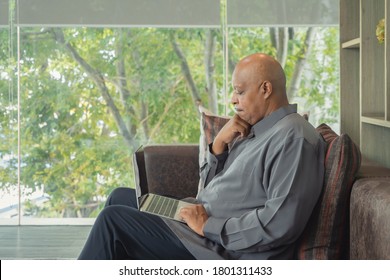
(170, 170)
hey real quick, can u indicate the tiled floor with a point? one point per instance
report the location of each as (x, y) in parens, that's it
(42, 242)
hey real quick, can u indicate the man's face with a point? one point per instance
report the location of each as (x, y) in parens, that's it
(247, 99)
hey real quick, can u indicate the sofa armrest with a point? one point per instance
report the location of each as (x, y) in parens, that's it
(370, 219)
(171, 170)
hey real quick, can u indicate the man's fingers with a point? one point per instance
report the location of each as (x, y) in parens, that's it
(241, 127)
(195, 216)
(242, 122)
(235, 127)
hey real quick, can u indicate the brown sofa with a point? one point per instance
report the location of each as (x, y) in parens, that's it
(370, 213)
(173, 170)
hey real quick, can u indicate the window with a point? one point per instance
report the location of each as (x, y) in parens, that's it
(85, 87)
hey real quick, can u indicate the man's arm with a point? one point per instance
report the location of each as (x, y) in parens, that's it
(196, 216)
(218, 150)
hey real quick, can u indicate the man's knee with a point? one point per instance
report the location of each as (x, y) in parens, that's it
(111, 214)
(118, 218)
(122, 196)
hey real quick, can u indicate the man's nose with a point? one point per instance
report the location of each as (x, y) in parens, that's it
(234, 99)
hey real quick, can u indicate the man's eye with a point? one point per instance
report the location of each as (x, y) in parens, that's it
(238, 92)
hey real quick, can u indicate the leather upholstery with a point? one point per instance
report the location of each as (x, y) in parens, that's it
(172, 170)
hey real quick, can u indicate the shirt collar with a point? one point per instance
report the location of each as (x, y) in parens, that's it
(270, 120)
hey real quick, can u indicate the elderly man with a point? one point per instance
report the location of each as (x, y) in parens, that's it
(263, 176)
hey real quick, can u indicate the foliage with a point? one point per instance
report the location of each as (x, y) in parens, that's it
(380, 31)
(319, 92)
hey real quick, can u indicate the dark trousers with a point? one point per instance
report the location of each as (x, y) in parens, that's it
(123, 232)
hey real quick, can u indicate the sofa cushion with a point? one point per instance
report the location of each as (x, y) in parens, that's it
(209, 127)
(326, 235)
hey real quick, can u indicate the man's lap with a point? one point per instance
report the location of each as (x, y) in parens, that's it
(137, 235)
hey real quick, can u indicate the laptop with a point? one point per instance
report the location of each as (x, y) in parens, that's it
(155, 204)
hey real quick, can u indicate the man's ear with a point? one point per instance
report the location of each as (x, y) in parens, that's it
(267, 89)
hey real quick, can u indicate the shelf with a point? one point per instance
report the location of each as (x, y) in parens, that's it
(351, 44)
(379, 121)
(365, 77)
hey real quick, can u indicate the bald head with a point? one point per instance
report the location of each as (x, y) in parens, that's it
(262, 67)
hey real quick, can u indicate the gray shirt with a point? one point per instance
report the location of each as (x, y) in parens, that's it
(259, 194)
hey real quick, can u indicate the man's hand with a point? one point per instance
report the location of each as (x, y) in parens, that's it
(195, 216)
(233, 128)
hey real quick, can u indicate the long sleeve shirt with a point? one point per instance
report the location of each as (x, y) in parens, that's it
(260, 193)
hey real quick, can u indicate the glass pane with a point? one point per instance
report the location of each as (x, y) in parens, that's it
(8, 128)
(282, 13)
(114, 13)
(91, 96)
(310, 57)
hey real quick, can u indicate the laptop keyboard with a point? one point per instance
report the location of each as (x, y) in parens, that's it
(163, 206)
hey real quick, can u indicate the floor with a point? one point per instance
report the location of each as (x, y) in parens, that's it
(42, 242)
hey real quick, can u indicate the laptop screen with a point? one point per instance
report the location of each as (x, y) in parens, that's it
(137, 182)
